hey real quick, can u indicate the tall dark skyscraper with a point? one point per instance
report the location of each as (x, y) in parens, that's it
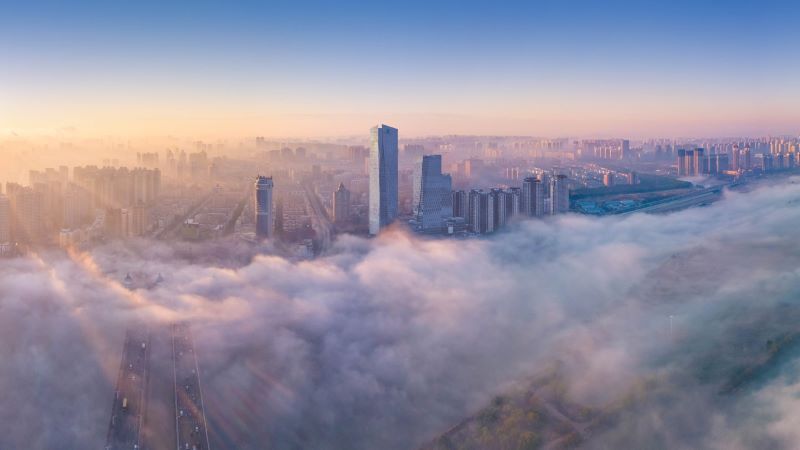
(383, 177)
(433, 202)
(461, 204)
(263, 207)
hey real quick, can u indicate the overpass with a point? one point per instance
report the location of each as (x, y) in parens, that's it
(130, 393)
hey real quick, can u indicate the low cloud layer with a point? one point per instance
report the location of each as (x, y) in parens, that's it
(386, 343)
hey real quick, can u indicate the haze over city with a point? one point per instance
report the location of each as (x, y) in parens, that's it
(424, 226)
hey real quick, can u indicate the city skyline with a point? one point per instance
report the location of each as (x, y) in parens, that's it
(284, 225)
(620, 68)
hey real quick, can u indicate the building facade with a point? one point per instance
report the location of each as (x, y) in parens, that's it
(559, 194)
(481, 211)
(263, 207)
(433, 201)
(532, 196)
(461, 204)
(383, 177)
(5, 219)
(341, 204)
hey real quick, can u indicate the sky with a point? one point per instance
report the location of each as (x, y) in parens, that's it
(314, 69)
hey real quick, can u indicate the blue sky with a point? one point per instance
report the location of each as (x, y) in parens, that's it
(309, 68)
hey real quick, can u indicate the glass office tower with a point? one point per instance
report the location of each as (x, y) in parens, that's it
(382, 177)
(263, 209)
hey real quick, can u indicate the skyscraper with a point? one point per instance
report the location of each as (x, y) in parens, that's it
(689, 170)
(532, 197)
(747, 159)
(681, 162)
(461, 205)
(481, 211)
(474, 211)
(341, 204)
(500, 212)
(27, 210)
(559, 195)
(767, 162)
(697, 164)
(735, 159)
(514, 197)
(488, 206)
(433, 202)
(382, 177)
(76, 207)
(263, 207)
(5, 219)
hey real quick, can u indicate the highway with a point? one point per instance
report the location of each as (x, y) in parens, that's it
(130, 393)
(696, 198)
(190, 418)
(158, 432)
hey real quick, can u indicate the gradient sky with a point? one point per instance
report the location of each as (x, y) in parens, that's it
(294, 68)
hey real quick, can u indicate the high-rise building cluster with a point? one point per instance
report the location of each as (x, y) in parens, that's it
(784, 153)
(486, 211)
(147, 159)
(125, 195)
(437, 208)
(733, 158)
(33, 214)
(55, 205)
(121, 187)
(690, 162)
(186, 166)
(697, 162)
(604, 149)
